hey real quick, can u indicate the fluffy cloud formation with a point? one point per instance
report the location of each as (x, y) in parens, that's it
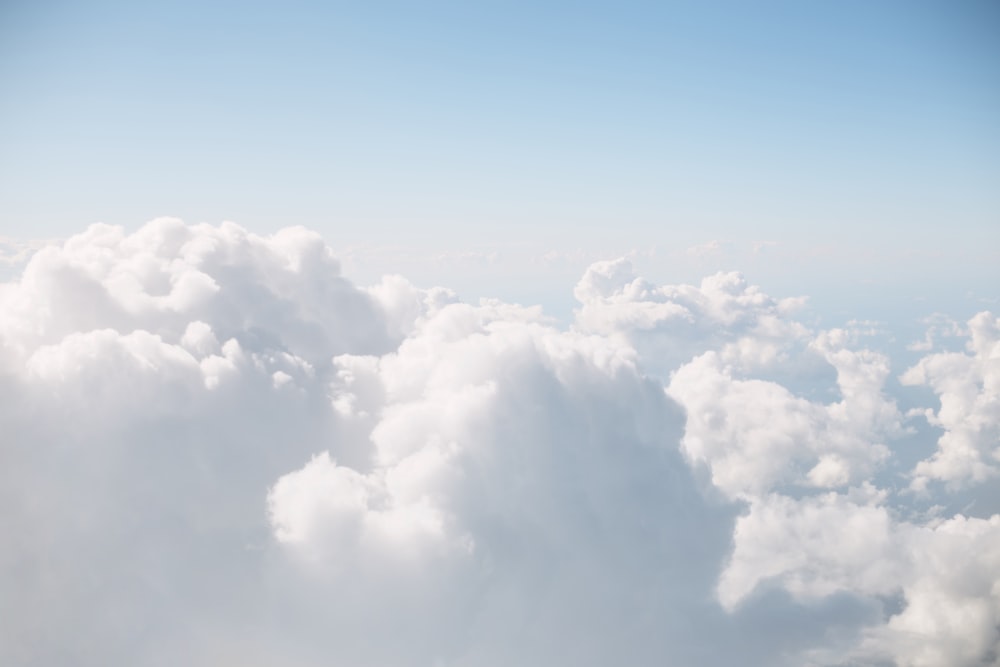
(943, 572)
(755, 434)
(670, 324)
(219, 450)
(968, 386)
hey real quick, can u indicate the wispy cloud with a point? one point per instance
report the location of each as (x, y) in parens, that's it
(708, 249)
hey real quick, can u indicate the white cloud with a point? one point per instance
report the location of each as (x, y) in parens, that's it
(670, 324)
(968, 387)
(218, 450)
(755, 434)
(708, 249)
(814, 547)
(15, 252)
(944, 573)
(938, 327)
(952, 596)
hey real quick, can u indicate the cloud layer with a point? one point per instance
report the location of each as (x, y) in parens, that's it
(217, 449)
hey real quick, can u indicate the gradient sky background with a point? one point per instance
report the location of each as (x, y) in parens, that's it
(861, 138)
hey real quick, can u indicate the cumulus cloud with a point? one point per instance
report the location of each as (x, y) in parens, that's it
(15, 252)
(755, 434)
(968, 387)
(669, 324)
(218, 450)
(529, 474)
(943, 573)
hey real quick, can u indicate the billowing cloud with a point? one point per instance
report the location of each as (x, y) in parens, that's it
(755, 434)
(943, 574)
(218, 450)
(968, 387)
(670, 324)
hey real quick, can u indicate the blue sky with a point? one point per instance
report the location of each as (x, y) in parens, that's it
(859, 137)
(400, 121)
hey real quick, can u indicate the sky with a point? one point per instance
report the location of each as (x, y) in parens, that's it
(488, 334)
(859, 135)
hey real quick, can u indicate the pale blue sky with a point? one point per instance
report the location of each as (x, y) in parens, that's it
(865, 133)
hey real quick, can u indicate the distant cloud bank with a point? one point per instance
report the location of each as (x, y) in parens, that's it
(219, 450)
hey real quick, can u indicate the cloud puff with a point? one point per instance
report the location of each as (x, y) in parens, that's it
(157, 384)
(286, 291)
(755, 434)
(670, 324)
(968, 387)
(538, 468)
(943, 574)
(219, 450)
(752, 431)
